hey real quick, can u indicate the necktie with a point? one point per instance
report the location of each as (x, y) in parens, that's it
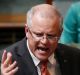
(44, 70)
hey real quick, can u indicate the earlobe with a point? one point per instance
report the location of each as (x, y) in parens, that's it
(26, 30)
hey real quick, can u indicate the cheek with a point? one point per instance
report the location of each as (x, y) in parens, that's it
(53, 46)
(33, 44)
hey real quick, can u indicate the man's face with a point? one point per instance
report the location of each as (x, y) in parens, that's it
(43, 36)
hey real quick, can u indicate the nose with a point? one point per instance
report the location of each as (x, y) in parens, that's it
(44, 40)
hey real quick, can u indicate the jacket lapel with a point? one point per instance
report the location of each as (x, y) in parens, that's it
(24, 53)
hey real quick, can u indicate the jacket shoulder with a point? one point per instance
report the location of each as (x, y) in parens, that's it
(14, 47)
(68, 49)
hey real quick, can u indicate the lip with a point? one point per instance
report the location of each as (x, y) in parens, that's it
(43, 49)
(43, 52)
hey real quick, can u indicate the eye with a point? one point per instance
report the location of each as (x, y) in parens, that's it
(39, 34)
(51, 36)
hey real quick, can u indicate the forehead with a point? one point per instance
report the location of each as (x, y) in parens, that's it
(41, 23)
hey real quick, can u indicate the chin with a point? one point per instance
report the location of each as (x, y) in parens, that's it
(42, 58)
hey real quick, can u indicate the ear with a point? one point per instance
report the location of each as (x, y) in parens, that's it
(60, 33)
(26, 30)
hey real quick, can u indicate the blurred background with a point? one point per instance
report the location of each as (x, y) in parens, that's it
(13, 17)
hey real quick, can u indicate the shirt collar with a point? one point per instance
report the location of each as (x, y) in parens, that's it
(35, 60)
(52, 60)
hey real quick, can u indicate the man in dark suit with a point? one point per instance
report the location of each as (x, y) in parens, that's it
(43, 31)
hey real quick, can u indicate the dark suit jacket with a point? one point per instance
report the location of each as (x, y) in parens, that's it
(67, 57)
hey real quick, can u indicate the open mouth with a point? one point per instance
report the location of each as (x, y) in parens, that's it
(43, 48)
